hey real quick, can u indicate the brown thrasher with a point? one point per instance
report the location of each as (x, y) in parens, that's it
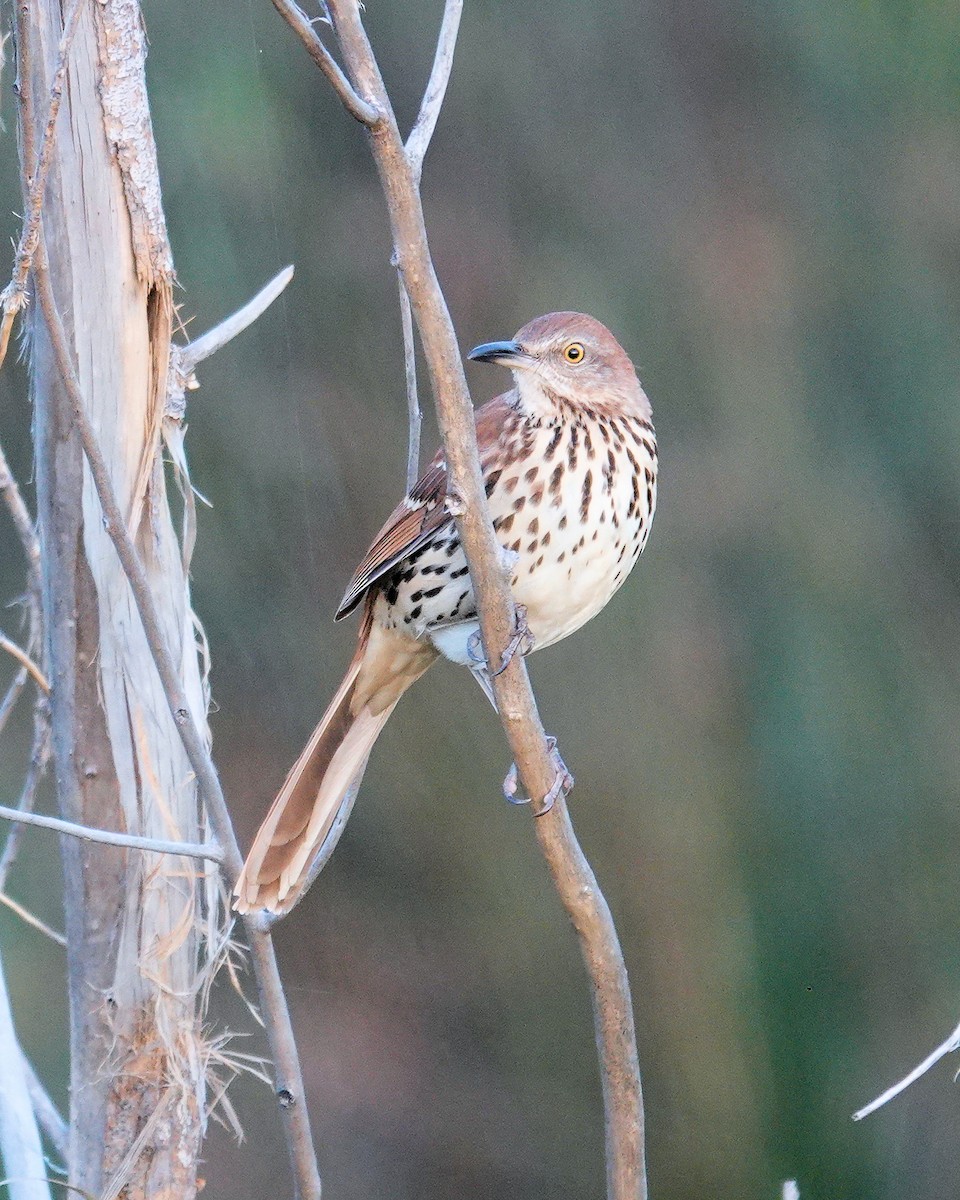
(569, 461)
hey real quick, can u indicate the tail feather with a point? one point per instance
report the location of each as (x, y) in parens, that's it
(327, 774)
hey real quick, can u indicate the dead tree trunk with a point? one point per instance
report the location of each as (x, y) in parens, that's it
(142, 927)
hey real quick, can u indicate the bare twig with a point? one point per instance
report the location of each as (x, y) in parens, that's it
(49, 1116)
(288, 1076)
(11, 696)
(949, 1046)
(19, 513)
(14, 295)
(185, 359)
(39, 756)
(20, 1145)
(106, 837)
(436, 89)
(24, 659)
(366, 113)
(414, 412)
(28, 918)
(572, 876)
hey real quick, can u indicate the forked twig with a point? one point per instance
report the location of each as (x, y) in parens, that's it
(572, 876)
(283, 1051)
(298, 21)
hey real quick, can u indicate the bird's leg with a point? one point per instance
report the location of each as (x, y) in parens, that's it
(562, 783)
(521, 640)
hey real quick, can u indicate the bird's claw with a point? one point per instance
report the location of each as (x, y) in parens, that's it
(562, 783)
(521, 640)
(475, 650)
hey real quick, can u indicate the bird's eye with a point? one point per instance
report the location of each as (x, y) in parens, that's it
(574, 352)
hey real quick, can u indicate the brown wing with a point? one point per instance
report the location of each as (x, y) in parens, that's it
(421, 513)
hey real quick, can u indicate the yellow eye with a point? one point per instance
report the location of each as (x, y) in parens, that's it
(574, 352)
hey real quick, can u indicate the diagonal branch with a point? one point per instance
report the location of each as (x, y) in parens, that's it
(184, 360)
(572, 875)
(288, 1076)
(426, 122)
(25, 661)
(14, 295)
(358, 108)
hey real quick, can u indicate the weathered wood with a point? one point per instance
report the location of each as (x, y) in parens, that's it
(134, 920)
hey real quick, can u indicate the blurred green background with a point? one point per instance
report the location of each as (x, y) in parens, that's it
(763, 202)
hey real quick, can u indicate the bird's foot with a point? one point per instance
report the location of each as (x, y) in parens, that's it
(562, 783)
(475, 651)
(521, 640)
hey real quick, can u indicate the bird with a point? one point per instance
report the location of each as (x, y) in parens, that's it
(569, 463)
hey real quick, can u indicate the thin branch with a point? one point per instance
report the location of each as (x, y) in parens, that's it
(28, 918)
(49, 1116)
(20, 514)
(951, 1044)
(11, 696)
(129, 841)
(426, 122)
(364, 112)
(414, 412)
(184, 359)
(39, 756)
(14, 295)
(217, 337)
(24, 659)
(283, 1050)
(20, 1145)
(572, 876)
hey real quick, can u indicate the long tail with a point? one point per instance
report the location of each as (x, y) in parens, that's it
(323, 782)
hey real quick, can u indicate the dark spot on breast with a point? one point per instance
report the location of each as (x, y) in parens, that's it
(604, 431)
(416, 596)
(553, 443)
(503, 524)
(415, 612)
(492, 480)
(588, 443)
(532, 545)
(585, 495)
(545, 540)
(555, 478)
(563, 522)
(515, 546)
(431, 592)
(392, 594)
(519, 503)
(538, 563)
(561, 556)
(511, 483)
(531, 475)
(534, 526)
(459, 574)
(537, 494)
(650, 448)
(452, 547)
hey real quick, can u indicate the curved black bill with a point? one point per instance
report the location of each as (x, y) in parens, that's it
(510, 354)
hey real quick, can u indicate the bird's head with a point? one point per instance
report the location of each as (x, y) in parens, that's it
(568, 357)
